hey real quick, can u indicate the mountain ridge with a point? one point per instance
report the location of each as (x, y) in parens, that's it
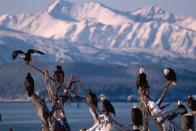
(63, 29)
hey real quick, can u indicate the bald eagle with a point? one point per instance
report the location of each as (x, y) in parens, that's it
(170, 75)
(108, 108)
(136, 115)
(141, 80)
(192, 103)
(27, 55)
(181, 108)
(91, 98)
(29, 84)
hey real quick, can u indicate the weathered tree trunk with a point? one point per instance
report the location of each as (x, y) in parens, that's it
(143, 109)
(165, 89)
(99, 111)
(145, 114)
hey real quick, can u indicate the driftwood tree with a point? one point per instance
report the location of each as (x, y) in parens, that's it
(152, 108)
(102, 119)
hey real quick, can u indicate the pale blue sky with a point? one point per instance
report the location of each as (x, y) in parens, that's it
(178, 7)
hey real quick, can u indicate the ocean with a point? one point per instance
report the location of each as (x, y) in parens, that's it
(22, 116)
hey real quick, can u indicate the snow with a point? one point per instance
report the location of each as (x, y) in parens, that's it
(153, 12)
(187, 22)
(100, 13)
(69, 32)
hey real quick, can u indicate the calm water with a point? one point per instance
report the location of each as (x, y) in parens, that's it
(22, 116)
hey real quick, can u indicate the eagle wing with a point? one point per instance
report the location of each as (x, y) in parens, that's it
(92, 99)
(32, 51)
(108, 107)
(141, 80)
(16, 53)
(30, 79)
(29, 84)
(173, 75)
(136, 116)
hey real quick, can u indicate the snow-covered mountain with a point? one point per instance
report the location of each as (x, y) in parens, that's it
(94, 32)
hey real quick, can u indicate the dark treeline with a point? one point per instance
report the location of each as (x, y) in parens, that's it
(116, 82)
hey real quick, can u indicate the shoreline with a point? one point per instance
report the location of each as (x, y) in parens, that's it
(29, 101)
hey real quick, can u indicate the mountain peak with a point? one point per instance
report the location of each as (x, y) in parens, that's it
(151, 8)
(150, 12)
(147, 9)
(94, 4)
(95, 29)
(59, 4)
(99, 12)
(60, 9)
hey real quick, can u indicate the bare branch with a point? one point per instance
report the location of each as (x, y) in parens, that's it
(165, 89)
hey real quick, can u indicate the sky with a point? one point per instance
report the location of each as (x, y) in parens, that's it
(178, 7)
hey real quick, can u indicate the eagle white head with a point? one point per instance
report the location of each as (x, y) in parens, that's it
(141, 70)
(178, 103)
(134, 105)
(166, 72)
(102, 97)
